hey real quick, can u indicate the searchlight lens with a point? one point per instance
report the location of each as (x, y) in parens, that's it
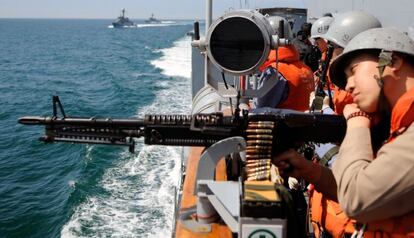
(237, 44)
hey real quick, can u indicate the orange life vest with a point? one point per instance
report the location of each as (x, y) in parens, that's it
(402, 117)
(327, 216)
(298, 75)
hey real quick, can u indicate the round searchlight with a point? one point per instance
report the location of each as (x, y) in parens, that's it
(239, 42)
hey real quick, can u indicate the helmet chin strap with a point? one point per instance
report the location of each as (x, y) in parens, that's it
(385, 59)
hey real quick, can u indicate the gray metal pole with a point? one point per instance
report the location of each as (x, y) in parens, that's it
(209, 13)
(209, 16)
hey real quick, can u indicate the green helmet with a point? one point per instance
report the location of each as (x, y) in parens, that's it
(274, 23)
(321, 26)
(387, 39)
(349, 24)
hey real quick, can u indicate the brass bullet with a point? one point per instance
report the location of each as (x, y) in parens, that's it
(259, 142)
(260, 136)
(259, 147)
(261, 122)
(259, 131)
(260, 126)
(250, 166)
(258, 161)
(257, 156)
(258, 169)
(257, 178)
(258, 173)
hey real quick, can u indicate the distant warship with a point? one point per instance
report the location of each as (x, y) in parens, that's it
(152, 20)
(122, 21)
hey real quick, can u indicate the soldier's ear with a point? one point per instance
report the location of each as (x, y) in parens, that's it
(397, 62)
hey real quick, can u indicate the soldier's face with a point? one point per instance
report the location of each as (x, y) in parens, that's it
(361, 82)
(321, 44)
(337, 51)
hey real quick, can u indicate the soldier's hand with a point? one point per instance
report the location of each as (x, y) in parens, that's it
(293, 164)
(357, 121)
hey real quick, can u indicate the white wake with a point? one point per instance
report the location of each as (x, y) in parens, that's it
(138, 197)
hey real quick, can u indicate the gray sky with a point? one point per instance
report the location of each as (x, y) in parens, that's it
(136, 9)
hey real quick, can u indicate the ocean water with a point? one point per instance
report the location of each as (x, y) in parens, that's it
(72, 190)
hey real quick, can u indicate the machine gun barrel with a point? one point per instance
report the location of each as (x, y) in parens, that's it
(32, 120)
(178, 130)
(36, 120)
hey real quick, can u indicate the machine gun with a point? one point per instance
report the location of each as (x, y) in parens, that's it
(290, 127)
(323, 83)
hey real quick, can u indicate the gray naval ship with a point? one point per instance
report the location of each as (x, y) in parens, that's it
(214, 198)
(152, 20)
(122, 21)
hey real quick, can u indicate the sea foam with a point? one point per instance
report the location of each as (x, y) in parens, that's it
(139, 190)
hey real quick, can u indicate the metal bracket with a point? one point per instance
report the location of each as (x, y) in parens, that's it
(222, 197)
(212, 155)
(212, 196)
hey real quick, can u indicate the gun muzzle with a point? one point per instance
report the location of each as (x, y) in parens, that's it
(32, 120)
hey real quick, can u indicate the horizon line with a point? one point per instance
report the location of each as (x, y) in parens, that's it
(70, 18)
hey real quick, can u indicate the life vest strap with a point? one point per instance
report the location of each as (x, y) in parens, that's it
(328, 156)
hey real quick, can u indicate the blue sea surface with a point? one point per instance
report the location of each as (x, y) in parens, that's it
(72, 190)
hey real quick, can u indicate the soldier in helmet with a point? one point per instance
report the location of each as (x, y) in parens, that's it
(346, 26)
(327, 216)
(309, 53)
(319, 28)
(377, 68)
